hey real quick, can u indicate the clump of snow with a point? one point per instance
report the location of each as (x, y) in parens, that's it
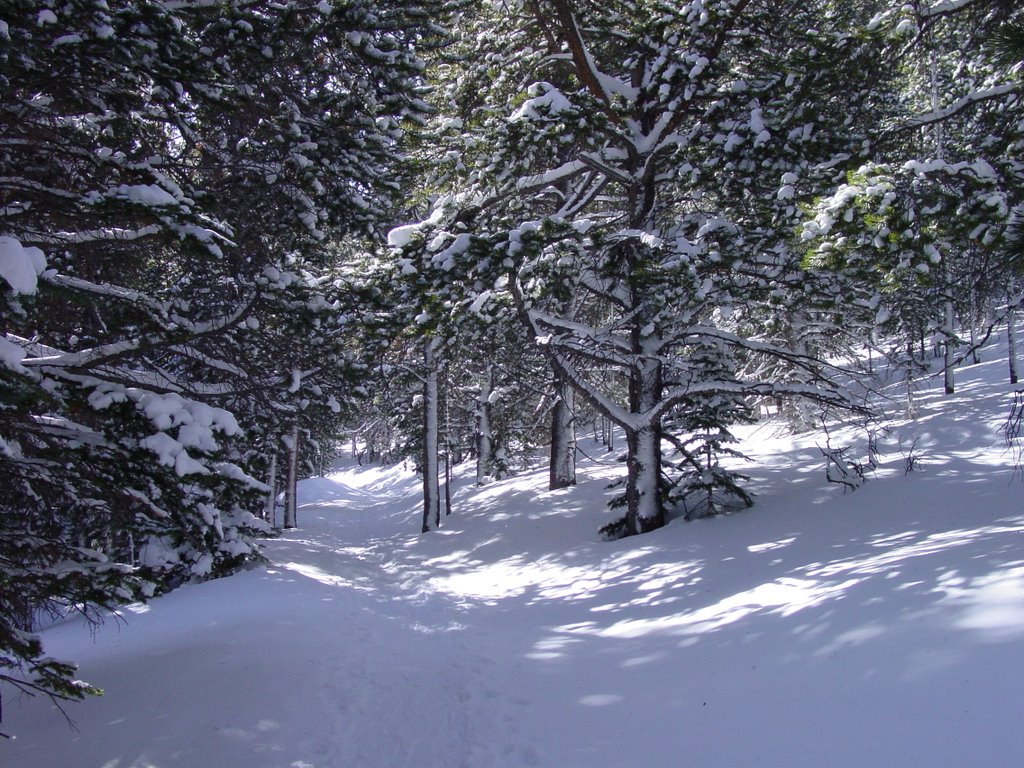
(144, 194)
(172, 453)
(11, 355)
(20, 266)
(545, 102)
(399, 237)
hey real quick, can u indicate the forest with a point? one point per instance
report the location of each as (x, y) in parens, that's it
(240, 237)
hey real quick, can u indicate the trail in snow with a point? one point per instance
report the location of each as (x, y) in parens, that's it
(882, 627)
(328, 657)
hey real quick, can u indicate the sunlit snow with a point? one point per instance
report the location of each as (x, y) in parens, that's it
(820, 628)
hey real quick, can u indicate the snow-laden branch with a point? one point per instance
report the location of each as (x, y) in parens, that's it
(598, 164)
(609, 289)
(21, 183)
(563, 172)
(584, 194)
(104, 234)
(945, 7)
(828, 395)
(213, 362)
(808, 363)
(108, 290)
(545, 323)
(586, 68)
(606, 405)
(938, 115)
(217, 324)
(40, 355)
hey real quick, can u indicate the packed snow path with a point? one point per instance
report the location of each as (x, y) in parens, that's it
(882, 627)
(329, 656)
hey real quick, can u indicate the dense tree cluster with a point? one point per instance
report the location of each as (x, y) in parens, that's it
(183, 189)
(698, 208)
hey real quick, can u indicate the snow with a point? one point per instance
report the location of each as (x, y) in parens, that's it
(172, 453)
(144, 194)
(11, 355)
(20, 266)
(546, 102)
(821, 628)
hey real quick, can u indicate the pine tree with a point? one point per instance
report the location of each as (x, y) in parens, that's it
(645, 177)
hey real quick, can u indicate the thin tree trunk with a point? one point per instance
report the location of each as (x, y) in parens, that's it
(948, 348)
(911, 408)
(270, 505)
(447, 450)
(484, 443)
(291, 488)
(447, 483)
(431, 492)
(1011, 333)
(563, 439)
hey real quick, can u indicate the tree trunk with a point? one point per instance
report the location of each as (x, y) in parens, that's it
(447, 449)
(270, 505)
(948, 348)
(447, 482)
(563, 438)
(911, 407)
(291, 488)
(975, 357)
(431, 491)
(644, 511)
(484, 443)
(643, 466)
(1011, 333)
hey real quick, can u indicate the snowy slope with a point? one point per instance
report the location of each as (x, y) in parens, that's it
(883, 627)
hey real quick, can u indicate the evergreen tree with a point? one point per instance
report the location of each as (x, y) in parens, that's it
(643, 179)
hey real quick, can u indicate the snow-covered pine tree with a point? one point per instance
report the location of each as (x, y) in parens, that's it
(648, 167)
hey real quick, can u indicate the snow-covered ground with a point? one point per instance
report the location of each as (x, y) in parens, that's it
(882, 627)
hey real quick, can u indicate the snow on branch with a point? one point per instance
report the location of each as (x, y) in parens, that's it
(598, 164)
(42, 356)
(103, 234)
(545, 321)
(106, 289)
(826, 393)
(54, 358)
(20, 266)
(944, 7)
(550, 177)
(938, 115)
